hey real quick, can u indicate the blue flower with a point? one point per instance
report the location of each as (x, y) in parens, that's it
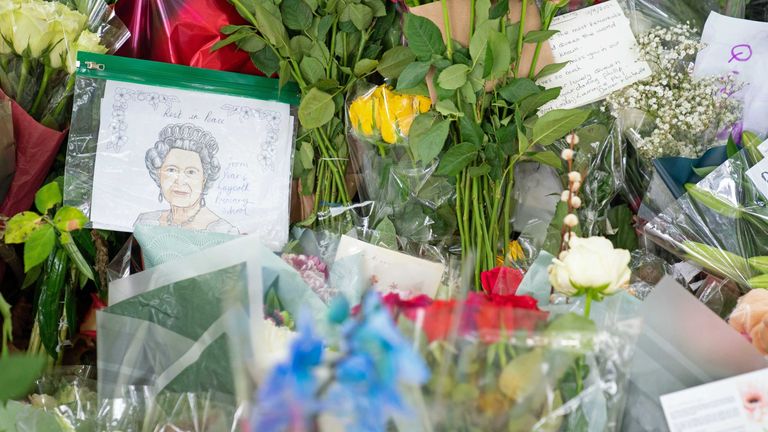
(287, 399)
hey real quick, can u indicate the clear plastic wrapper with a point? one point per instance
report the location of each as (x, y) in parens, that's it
(647, 13)
(200, 149)
(500, 368)
(720, 224)
(166, 327)
(408, 199)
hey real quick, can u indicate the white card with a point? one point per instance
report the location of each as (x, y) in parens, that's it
(734, 404)
(739, 47)
(763, 148)
(390, 270)
(195, 160)
(759, 176)
(602, 53)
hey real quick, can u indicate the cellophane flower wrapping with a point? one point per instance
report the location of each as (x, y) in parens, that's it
(66, 400)
(408, 199)
(498, 363)
(720, 224)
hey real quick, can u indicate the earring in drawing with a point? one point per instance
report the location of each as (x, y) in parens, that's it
(160, 197)
(202, 201)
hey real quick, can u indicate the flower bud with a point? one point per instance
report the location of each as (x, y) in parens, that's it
(567, 154)
(572, 139)
(575, 202)
(571, 220)
(565, 196)
(575, 186)
(574, 176)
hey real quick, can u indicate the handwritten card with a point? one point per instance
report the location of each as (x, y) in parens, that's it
(602, 55)
(390, 270)
(734, 404)
(738, 47)
(201, 161)
(758, 174)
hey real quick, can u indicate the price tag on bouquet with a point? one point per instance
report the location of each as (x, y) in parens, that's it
(168, 145)
(735, 404)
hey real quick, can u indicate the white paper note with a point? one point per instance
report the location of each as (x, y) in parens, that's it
(739, 47)
(602, 53)
(735, 404)
(758, 174)
(389, 270)
(222, 162)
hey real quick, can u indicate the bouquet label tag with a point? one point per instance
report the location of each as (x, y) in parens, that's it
(759, 176)
(763, 148)
(734, 404)
(390, 270)
(602, 55)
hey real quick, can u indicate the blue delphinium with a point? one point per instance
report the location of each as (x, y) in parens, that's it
(363, 387)
(378, 359)
(287, 400)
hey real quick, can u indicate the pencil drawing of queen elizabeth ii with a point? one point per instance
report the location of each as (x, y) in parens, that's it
(183, 165)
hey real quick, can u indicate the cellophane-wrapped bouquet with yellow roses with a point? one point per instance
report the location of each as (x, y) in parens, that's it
(411, 206)
(38, 49)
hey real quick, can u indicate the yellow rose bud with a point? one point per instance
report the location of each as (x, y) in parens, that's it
(425, 103)
(361, 115)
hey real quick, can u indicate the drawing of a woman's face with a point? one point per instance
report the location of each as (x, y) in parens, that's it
(181, 178)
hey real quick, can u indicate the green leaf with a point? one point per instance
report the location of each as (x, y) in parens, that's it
(750, 139)
(523, 142)
(18, 373)
(468, 94)
(76, 256)
(556, 124)
(307, 154)
(49, 301)
(470, 131)
(428, 145)
(38, 246)
(479, 171)
(251, 43)
(48, 197)
(377, 6)
(316, 109)
(518, 90)
(297, 15)
(266, 61)
(284, 74)
(547, 158)
(365, 66)
(360, 14)
(69, 219)
(230, 40)
(394, 61)
(550, 69)
(269, 23)
(21, 226)
(453, 77)
(721, 261)
(424, 37)
(759, 263)
(32, 276)
(446, 107)
(311, 69)
(502, 55)
(229, 29)
(625, 237)
(479, 42)
(731, 147)
(456, 159)
(536, 36)
(530, 104)
(413, 75)
(714, 202)
(387, 234)
(499, 9)
(704, 171)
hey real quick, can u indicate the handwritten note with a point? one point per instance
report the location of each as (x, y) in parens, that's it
(735, 404)
(602, 55)
(738, 47)
(758, 174)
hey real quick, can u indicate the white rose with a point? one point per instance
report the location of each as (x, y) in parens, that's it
(87, 41)
(271, 345)
(591, 264)
(32, 27)
(6, 24)
(67, 27)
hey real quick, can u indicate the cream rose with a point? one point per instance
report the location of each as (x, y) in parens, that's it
(6, 25)
(67, 27)
(271, 346)
(591, 265)
(32, 28)
(87, 41)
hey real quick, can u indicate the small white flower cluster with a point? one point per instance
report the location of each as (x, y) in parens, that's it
(682, 107)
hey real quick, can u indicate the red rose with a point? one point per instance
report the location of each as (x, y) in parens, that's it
(406, 306)
(501, 280)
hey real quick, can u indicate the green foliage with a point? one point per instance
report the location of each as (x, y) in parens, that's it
(18, 374)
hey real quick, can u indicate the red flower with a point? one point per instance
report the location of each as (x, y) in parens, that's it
(501, 280)
(406, 306)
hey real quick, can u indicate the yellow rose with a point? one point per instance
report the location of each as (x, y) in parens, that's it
(361, 115)
(32, 29)
(67, 26)
(385, 116)
(386, 113)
